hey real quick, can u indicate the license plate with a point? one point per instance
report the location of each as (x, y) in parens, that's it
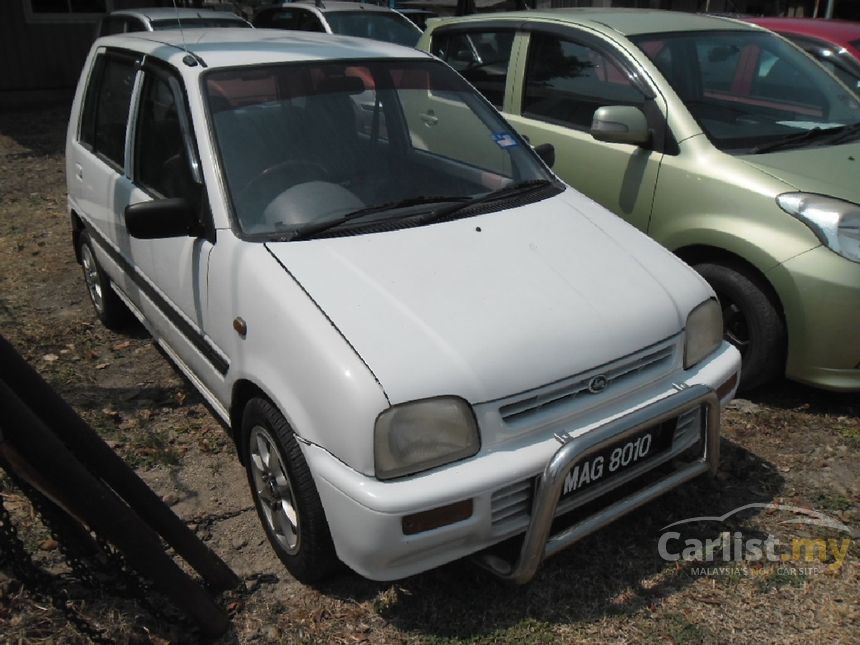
(618, 457)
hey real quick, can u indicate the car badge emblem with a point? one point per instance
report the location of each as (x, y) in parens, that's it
(597, 384)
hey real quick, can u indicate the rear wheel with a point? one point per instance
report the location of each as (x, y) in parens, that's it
(109, 308)
(751, 322)
(285, 495)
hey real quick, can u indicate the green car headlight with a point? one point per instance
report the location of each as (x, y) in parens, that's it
(835, 222)
(704, 332)
(412, 437)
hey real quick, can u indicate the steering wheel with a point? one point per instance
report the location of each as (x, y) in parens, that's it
(272, 181)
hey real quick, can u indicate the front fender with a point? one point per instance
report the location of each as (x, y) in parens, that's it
(294, 354)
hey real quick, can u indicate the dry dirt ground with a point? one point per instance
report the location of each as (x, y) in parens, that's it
(787, 444)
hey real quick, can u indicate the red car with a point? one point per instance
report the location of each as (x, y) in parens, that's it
(833, 43)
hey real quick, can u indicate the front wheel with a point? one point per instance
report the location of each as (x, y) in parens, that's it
(751, 322)
(285, 495)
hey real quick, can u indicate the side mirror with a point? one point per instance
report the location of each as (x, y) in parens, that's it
(160, 218)
(621, 124)
(546, 151)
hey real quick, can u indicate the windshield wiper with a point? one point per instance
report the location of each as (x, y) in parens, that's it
(847, 133)
(507, 191)
(310, 230)
(795, 139)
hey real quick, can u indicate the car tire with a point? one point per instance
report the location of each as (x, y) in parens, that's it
(751, 320)
(109, 308)
(284, 494)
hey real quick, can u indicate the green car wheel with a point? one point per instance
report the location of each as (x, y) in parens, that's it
(752, 322)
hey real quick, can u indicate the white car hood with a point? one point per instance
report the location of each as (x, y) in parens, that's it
(489, 306)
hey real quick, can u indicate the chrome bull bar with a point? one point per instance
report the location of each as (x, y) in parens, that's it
(538, 544)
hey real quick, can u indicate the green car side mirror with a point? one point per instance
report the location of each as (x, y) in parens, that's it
(621, 124)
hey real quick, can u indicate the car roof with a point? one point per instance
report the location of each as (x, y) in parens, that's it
(336, 6)
(166, 13)
(231, 47)
(837, 31)
(628, 22)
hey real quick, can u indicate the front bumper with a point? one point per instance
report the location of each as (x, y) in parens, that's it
(820, 294)
(539, 545)
(366, 515)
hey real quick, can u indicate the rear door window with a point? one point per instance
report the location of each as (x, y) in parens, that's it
(279, 19)
(308, 21)
(106, 107)
(481, 57)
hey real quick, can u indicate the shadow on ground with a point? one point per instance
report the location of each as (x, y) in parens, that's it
(38, 133)
(788, 395)
(615, 571)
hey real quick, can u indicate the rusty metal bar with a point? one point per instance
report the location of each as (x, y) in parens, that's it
(42, 460)
(105, 464)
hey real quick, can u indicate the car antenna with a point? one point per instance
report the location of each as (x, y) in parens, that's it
(179, 22)
(190, 58)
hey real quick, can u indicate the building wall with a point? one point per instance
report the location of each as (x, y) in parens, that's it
(41, 53)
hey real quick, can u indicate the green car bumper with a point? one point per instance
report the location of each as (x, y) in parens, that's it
(820, 293)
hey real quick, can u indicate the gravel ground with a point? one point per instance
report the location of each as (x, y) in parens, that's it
(786, 445)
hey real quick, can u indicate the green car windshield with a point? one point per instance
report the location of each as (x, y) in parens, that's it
(750, 89)
(305, 145)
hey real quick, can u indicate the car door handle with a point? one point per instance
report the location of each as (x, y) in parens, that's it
(79, 171)
(430, 119)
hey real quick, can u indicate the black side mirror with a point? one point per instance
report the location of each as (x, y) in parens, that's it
(546, 151)
(159, 218)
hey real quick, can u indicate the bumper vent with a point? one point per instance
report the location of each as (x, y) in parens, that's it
(512, 503)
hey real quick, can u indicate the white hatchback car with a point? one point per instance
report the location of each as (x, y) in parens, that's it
(422, 341)
(360, 19)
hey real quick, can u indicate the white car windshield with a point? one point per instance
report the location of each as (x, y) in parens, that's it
(307, 145)
(198, 23)
(750, 90)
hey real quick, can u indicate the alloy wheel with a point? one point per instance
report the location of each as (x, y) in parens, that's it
(273, 489)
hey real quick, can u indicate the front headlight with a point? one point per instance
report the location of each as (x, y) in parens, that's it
(835, 222)
(704, 332)
(415, 436)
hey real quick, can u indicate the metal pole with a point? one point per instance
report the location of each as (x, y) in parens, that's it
(830, 5)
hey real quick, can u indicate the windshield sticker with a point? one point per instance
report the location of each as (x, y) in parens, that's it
(809, 125)
(504, 139)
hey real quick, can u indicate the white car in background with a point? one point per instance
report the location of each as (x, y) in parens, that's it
(343, 18)
(161, 18)
(422, 341)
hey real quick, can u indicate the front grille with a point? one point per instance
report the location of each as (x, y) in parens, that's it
(558, 396)
(512, 503)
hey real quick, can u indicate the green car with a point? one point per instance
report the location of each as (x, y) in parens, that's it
(723, 141)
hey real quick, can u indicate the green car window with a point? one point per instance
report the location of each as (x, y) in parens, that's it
(567, 81)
